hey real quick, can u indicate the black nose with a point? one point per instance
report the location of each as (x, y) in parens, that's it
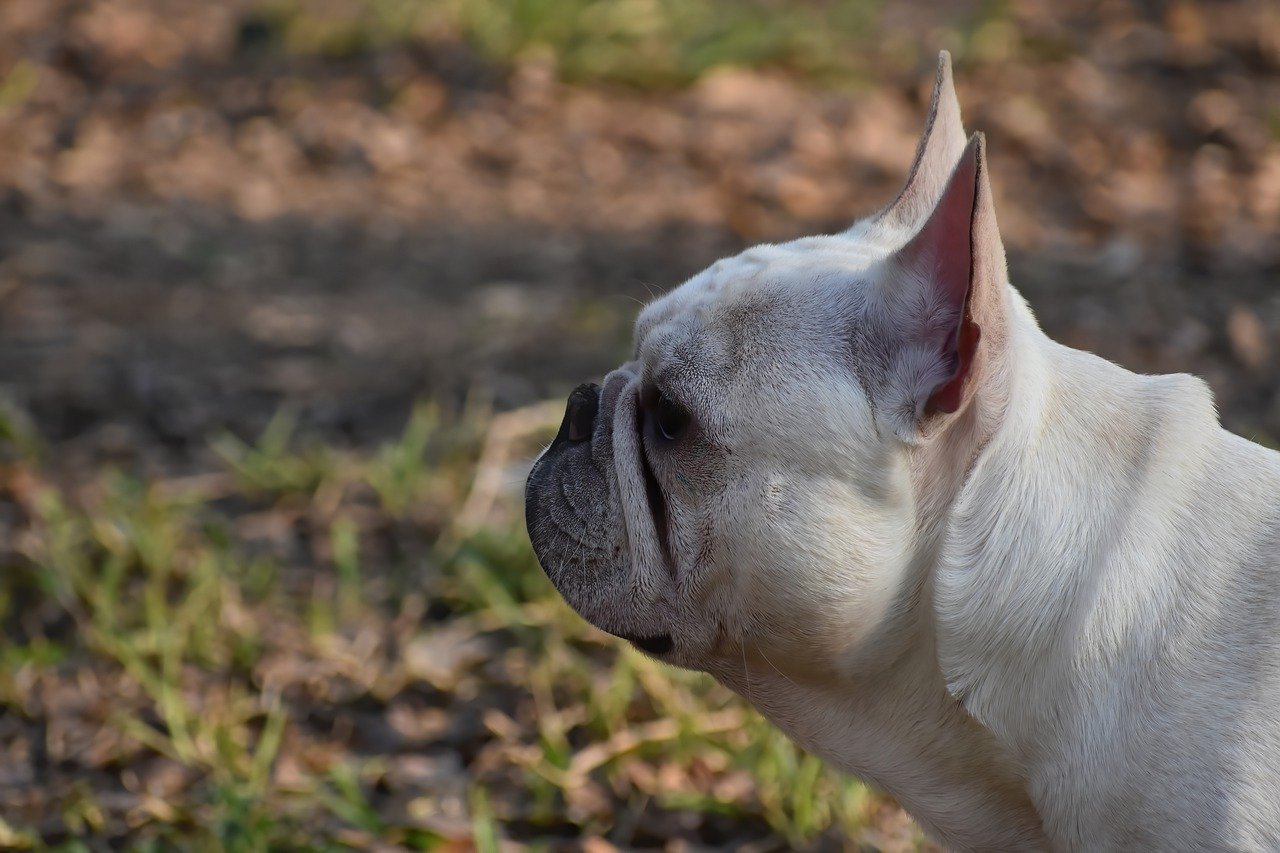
(580, 414)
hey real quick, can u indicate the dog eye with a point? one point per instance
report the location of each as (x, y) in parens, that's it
(670, 418)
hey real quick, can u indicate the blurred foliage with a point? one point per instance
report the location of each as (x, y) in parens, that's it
(646, 43)
(17, 84)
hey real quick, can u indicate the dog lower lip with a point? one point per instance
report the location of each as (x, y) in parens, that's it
(658, 644)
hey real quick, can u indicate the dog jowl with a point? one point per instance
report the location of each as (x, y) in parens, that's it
(1033, 595)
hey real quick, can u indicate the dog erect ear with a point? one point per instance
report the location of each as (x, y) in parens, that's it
(944, 292)
(936, 155)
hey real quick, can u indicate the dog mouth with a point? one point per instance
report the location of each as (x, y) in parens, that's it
(589, 519)
(658, 644)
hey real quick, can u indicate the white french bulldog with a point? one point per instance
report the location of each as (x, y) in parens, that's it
(1034, 596)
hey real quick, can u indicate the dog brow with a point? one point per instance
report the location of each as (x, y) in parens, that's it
(644, 324)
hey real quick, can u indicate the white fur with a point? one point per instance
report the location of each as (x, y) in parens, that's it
(1050, 621)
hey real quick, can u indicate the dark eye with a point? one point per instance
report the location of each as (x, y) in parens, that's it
(670, 418)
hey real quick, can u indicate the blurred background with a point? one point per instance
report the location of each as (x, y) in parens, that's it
(285, 283)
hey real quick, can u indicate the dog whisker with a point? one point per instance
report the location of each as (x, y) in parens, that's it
(760, 651)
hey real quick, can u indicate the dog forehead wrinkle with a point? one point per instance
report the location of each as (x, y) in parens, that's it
(702, 286)
(677, 348)
(809, 264)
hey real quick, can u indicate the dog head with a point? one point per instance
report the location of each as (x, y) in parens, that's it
(747, 486)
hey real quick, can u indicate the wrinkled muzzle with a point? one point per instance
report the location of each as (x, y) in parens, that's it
(587, 513)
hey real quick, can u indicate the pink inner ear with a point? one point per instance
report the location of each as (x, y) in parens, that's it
(947, 397)
(944, 247)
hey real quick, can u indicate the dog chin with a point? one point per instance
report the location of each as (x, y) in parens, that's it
(583, 531)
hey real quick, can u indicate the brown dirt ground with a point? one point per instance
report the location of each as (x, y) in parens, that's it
(194, 230)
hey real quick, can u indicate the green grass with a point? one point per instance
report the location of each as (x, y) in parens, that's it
(246, 634)
(662, 44)
(645, 43)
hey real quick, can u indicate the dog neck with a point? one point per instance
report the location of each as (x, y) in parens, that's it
(1036, 493)
(895, 726)
(1083, 529)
